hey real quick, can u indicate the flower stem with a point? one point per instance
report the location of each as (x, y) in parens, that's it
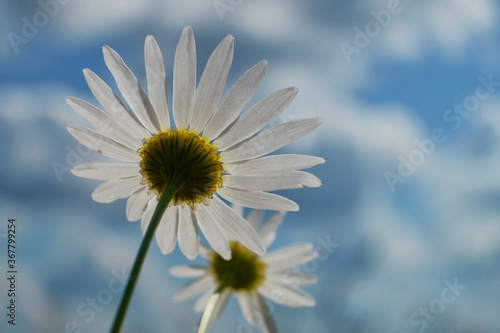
(209, 308)
(212, 302)
(169, 190)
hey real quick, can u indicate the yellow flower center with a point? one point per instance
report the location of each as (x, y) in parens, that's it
(187, 155)
(243, 272)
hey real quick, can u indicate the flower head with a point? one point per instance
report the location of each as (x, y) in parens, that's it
(217, 153)
(251, 277)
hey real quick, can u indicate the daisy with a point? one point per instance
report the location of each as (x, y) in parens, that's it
(251, 277)
(212, 153)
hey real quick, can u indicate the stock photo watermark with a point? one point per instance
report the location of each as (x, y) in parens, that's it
(73, 158)
(30, 27)
(427, 314)
(363, 36)
(454, 118)
(88, 309)
(11, 272)
(223, 6)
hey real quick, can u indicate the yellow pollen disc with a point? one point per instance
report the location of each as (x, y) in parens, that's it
(186, 154)
(244, 272)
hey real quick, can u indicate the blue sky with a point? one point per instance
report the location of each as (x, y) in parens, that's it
(399, 249)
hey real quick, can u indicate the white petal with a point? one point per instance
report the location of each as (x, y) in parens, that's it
(219, 306)
(193, 288)
(258, 200)
(237, 208)
(116, 189)
(137, 202)
(234, 101)
(273, 163)
(291, 278)
(214, 234)
(184, 78)
(188, 233)
(148, 214)
(286, 295)
(104, 123)
(246, 308)
(188, 271)
(202, 301)
(239, 228)
(268, 230)
(254, 218)
(113, 105)
(106, 171)
(131, 90)
(254, 119)
(269, 140)
(204, 252)
(211, 84)
(289, 257)
(157, 88)
(102, 144)
(266, 321)
(272, 181)
(166, 234)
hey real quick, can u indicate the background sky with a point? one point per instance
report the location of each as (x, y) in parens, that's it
(390, 97)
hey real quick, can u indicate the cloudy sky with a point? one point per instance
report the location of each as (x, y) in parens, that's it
(409, 93)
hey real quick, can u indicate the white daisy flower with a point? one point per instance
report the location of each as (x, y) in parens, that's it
(217, 153)
(250, 277)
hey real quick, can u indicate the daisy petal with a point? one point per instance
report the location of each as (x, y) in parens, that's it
(104, 123)
(113, 105)
(289, 257)
(237, 208)
(234, 101)
(291, 278)
(272, 181)
(202, 301)
(166, 234)
(136, 203)
(188, 271)
(255, 217)
(211, 84)
(193, 288)
(239, 228)
(246, 308)
(116, 189)
(102, 144)
(131, 90)
(148, 214)
(219, 306)
(256, 117)
(188, 233)
(267, 324)
(286, 295)
(258, 200)
(268, 230)
(106, 171)
(269, 140)
(214, 234)
(157, 88)
(204, 251)
(184, 78)
(273, 163)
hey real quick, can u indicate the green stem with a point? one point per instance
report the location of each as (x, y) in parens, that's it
(209, 309)
(169, 190)
(212, 301)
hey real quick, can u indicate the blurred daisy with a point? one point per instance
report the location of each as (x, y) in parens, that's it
(216, 152)
(250, 277)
